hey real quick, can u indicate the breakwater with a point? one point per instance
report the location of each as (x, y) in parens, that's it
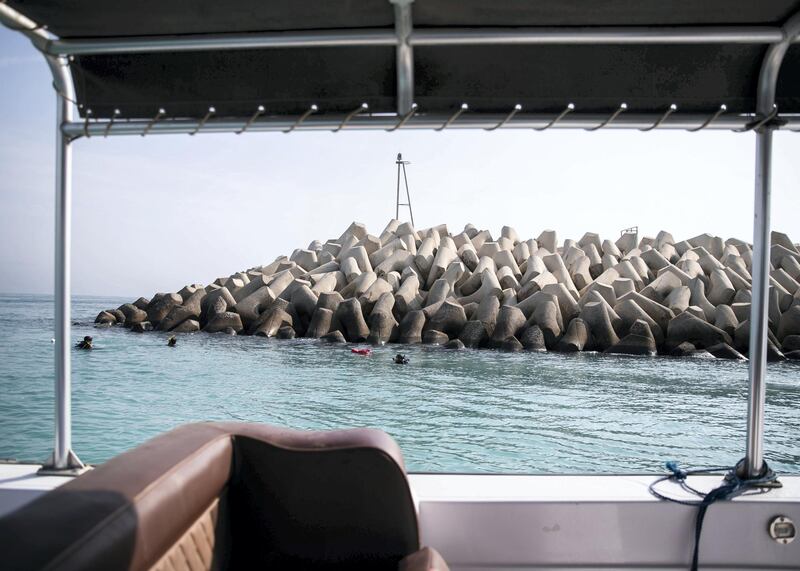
(470, 289)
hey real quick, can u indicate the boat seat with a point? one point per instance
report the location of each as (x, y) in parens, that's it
(229, 496)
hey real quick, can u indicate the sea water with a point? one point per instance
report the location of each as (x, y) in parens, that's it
(450, 411)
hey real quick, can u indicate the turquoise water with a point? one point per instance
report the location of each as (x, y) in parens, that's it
(469, 411)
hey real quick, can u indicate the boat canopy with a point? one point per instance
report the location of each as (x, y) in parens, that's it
(190, 66)
(363, 63)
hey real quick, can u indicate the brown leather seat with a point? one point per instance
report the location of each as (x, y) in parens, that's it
(229, 496)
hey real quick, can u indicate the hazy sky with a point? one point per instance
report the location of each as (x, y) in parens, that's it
(152, 214)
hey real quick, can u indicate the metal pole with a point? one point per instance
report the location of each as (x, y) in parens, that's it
(595, 35)
(63, 460)
(427, 37)
(63, 436)
(397, 201)
(754, 455)
(408, 195)
(759, 308)
(403, 25)
(386, 122)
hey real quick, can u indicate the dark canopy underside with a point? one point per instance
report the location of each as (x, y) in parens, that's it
(490, 78)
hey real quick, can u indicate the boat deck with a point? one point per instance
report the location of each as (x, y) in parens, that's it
(561, 521)
(20, 484)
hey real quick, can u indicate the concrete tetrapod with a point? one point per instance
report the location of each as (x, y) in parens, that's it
(687, 327)
(487, 312)
(546, 317)
(304, 301)
(218, 306)
(406, 296)
(141, 327)
(441, 260)
(455, 344)
(256, 283)
(188, 326)
(105, 318)
(132, 314)
(679, 299)
(383, 327)
(379, 287)
(286, 332)
(510, 321)
(532, 339)
(218, 294)
(548, 240)
(351, 320)
(721, 290)
(705, 277)
(449, 319)
(334, 337)
(411, 327)
(269, 322)
(605, 291)
(630, 312)
(359, 286)
(349, 267)
(489, 287)
(639, 341)
(577, 337)
(511, 345)
(726, 320)
(254, 304)
(660, 314)
(616, 320)
(473, 282)
(439, 291)
(725, 351)
(121, 316)
(176, 316)
(566, 301)
(161, 306)
(474, 334)
(434, 337)
(224, 320)
(789, 323)
(790, 343)
(596, 316)
(622, 286)
(320, 323)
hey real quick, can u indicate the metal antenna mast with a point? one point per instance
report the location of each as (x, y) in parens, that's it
(401, 164)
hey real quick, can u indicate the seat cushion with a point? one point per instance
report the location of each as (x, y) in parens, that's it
(330, 508)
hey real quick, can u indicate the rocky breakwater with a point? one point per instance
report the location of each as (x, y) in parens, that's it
(472, 289)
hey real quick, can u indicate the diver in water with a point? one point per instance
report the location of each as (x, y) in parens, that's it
(172, 341)
(400, 359)
(85, 344)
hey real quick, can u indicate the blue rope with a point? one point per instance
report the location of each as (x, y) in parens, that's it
(732, 487)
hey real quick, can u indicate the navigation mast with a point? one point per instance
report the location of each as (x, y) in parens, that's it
(401, 164)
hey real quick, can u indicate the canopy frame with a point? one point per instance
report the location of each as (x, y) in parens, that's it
(766, 120)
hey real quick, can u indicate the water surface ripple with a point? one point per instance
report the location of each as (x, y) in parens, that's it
(468, 411)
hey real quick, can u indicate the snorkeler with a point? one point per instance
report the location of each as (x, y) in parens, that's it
(86, 343)
(172, 341)
(400, 359)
